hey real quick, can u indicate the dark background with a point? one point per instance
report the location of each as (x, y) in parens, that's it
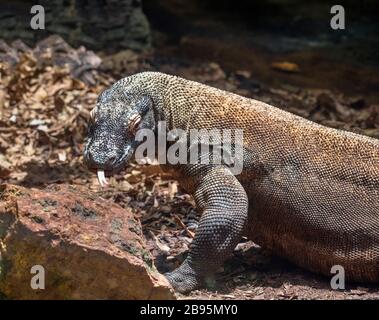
(248, 35)
(253, 34)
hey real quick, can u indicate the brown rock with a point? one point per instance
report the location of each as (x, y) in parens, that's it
(89, 247)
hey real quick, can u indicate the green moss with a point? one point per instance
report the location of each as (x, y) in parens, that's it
(83, 212)
(130, 249)
(146, 256)
(148, 260)
(116, 225)
(134, 227)
(48, 203)
(37, 219)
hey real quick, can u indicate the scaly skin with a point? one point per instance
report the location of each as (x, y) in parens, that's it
(307, 192)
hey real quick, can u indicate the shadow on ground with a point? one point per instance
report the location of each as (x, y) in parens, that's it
(41, 174)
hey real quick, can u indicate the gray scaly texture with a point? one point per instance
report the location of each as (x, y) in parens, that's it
(307, 192)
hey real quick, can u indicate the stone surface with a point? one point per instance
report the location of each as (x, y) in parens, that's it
(89, 247)
(99, 24)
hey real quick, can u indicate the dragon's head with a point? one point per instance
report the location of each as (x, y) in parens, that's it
(116, 118)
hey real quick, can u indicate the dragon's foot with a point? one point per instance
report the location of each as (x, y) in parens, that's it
(184, 278)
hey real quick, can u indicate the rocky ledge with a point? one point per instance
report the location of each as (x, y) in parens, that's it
(87, 247)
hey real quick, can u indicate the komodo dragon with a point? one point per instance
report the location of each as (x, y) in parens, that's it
(306, 192)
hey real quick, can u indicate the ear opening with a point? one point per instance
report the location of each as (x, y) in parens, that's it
(134, 122)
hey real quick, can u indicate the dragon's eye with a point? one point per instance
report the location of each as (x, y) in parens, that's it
(134, 121)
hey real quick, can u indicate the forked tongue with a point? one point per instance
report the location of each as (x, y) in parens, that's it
(101, 177)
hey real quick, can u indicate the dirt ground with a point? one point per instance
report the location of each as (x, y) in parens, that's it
(44, 111)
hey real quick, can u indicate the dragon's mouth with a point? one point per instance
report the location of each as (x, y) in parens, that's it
(101, 174)
(102, 170)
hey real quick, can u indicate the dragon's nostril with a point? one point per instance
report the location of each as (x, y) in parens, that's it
(104, 160)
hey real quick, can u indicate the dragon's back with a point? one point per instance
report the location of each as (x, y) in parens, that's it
(313, 191)
(316, 201)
